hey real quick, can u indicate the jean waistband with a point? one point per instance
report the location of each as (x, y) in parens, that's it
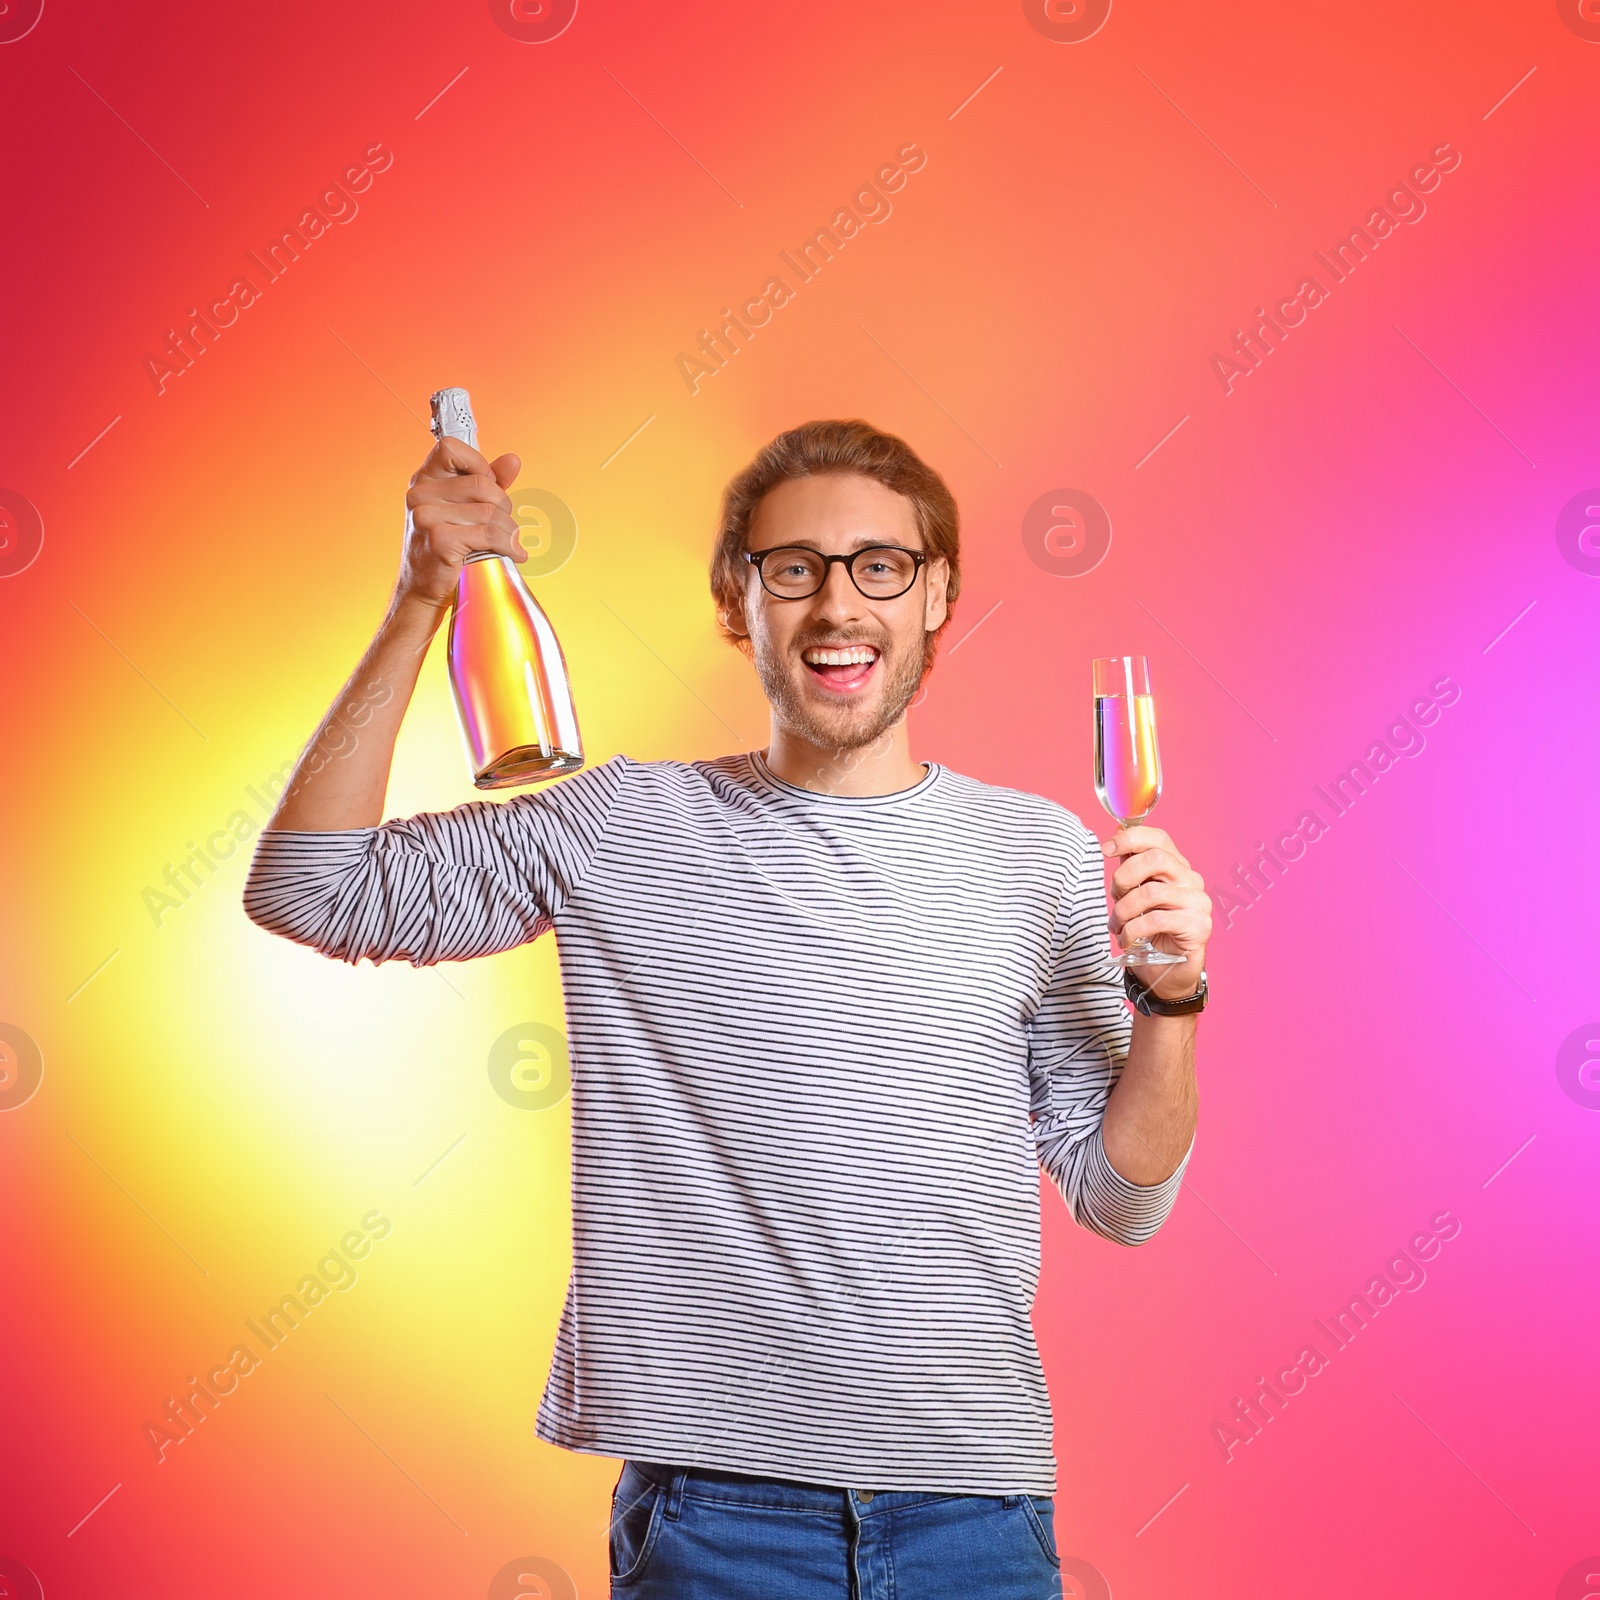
(782, 1494)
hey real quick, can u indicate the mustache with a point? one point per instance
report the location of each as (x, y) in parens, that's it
(806, 641)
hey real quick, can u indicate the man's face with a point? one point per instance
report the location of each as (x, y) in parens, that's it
(839, 668)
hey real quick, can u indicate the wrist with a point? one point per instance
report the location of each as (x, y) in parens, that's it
(1172, 983)
(412, 619)
(1170, 996)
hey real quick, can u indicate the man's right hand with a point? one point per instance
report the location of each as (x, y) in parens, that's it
(457, 503)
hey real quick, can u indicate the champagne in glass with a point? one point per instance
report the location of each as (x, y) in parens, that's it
(512, 694)
(1127, 763)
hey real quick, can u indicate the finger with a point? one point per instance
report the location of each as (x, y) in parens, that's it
(454, 542)
(1150, 896)
(505, 469)
(460, 487)
(450, 457)
(1158, 896)
(1147, 864)
(1126, 841)
(465, 513)
(451, 537)
(1183, 927)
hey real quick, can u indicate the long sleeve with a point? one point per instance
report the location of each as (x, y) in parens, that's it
(1078, 1044)
(439, 886)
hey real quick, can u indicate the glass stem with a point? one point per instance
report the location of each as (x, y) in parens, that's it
(1133, 822)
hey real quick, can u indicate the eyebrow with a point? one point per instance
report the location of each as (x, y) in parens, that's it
(860, 542)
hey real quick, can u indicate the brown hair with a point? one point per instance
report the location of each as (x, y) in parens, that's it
(811, 450)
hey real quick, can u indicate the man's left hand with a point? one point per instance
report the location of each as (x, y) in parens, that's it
(1157, 895)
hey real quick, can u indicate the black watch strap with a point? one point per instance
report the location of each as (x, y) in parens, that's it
(1152, 1006)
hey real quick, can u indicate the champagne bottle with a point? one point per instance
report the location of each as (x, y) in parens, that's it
(512, 694)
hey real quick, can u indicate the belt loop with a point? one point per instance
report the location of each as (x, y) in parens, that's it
(1012, 1501)
(675, 1494)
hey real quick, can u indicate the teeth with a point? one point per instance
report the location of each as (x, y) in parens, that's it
(847, 656)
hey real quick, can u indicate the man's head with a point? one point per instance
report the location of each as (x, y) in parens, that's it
(835, 488)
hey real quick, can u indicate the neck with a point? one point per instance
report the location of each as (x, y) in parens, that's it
(882, 767)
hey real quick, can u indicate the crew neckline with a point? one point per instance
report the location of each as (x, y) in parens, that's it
(765, 776)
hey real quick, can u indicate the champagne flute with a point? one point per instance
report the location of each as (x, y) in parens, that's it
(1127, 763)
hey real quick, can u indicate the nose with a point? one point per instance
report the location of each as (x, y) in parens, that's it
(838, 600)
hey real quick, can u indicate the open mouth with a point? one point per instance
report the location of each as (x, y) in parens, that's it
(843, 668)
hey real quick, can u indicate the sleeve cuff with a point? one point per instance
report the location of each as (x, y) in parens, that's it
(1129, 1213)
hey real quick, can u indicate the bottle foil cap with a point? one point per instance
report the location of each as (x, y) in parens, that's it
(452, 416)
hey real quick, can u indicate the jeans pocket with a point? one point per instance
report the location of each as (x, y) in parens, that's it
(1040, 1512)
(635, 1526)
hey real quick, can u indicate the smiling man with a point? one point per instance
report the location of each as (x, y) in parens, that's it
(830, 1011)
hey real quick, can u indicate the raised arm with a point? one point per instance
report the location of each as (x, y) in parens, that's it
(441, 886)
(1158, 896)
(456, 503)
(1083, 1074)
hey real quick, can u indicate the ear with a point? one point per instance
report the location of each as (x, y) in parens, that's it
(935, 609)
(733, 619)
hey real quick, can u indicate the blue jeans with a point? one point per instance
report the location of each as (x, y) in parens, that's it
(688, 1534)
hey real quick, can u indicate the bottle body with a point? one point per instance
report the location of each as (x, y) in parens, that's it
(513, 697)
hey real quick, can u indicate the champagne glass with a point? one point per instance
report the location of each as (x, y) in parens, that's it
(1127, 763)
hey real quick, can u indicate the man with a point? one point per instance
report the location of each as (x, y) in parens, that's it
(830, 1009)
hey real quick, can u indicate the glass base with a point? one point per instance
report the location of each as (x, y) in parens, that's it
(1141, 953)
(527, 764)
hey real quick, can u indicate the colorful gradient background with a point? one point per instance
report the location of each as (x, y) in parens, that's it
(1301, 559)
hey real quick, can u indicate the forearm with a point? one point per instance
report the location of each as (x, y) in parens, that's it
(1150, 1118)
(343, 774)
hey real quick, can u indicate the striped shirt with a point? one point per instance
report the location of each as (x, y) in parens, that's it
(820, 1047)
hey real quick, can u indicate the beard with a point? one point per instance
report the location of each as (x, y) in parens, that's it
(843, 727)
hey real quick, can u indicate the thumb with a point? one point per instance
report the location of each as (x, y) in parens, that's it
(449, 458)
(505, 469)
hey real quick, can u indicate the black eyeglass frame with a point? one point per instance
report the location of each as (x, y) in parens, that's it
(919, 559)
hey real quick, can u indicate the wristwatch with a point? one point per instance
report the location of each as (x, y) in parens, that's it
(1150, 1005)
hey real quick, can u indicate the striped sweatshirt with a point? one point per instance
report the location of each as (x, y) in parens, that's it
(820, 1048)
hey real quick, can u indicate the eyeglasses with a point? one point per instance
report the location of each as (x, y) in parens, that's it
(795, 571)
